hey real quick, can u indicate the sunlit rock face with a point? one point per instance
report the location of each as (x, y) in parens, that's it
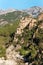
(40, 17)
(7, 62)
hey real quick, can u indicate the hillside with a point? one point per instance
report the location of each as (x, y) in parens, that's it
(30, 37)
(21, 37)
(13, 16)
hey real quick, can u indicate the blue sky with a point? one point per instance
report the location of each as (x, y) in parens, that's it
(19, 4)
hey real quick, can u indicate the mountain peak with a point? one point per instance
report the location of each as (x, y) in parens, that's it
(34, 11)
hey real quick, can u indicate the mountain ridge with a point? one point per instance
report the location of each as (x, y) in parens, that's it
(33, 11)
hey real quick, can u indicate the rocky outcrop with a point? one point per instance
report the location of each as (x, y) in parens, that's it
(23, 23)
(11, 54)
(40, 17)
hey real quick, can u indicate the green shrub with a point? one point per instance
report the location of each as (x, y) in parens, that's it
(33, 51)
(2, 51)
(24, 52)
